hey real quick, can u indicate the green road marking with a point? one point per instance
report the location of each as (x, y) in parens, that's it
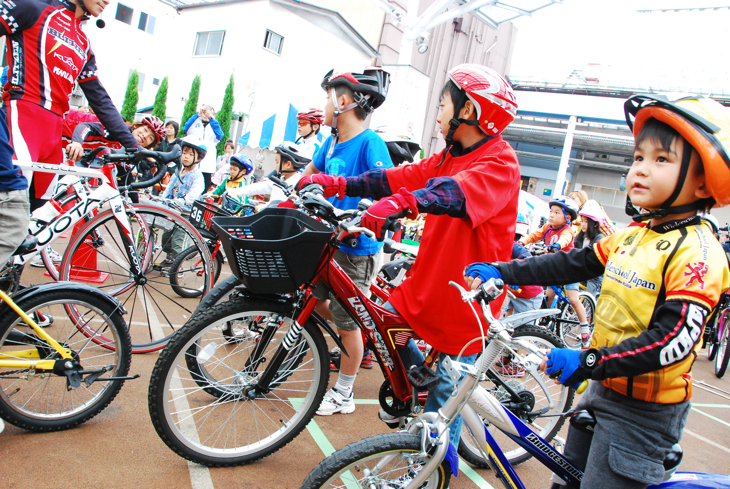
(711, 416)
(471, 474)
(695, 404)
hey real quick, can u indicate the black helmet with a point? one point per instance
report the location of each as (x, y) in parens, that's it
(369, 87)
(290, 152)
(401, 148)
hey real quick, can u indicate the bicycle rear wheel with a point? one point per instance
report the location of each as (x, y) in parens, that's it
(39, 401)
(187, 273)
(570, 332)
(723, 352)
(354, 465)
(522, 382)
(96, 255)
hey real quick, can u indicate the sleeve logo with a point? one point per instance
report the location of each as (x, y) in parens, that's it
(696, 273)
(681, 346)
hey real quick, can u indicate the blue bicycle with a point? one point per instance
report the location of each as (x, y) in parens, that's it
(422, 457)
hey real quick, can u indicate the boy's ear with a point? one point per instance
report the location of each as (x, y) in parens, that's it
(702, 192)
(468, 112)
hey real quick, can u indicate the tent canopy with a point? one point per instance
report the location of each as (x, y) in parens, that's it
(273, 129)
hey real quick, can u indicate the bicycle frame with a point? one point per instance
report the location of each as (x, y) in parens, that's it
(87, 204)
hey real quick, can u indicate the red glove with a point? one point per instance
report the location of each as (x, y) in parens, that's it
(332, 185)
(389, 209)
(286, 204)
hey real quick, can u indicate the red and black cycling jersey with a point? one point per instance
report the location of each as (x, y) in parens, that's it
(47, 52)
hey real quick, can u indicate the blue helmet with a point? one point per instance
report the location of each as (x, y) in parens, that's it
(242, 161)
(567, 204)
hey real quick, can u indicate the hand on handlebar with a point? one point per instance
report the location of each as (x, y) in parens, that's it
(477, 273)
(553, 248)
(330, 184)
(382, 215)
(572, 367)
(74, 151)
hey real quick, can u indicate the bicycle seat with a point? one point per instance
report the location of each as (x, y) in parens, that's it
(27, 246)
(583, 420)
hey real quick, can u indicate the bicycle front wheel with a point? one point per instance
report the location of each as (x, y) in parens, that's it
(201, 396)
(40, 401)
(97, 255)
(723, 352)
(521, 381)
(570, 332)
(187, 273)
(398, 456)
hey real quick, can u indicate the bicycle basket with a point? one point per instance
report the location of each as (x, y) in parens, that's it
(202, 213)
(274, 251)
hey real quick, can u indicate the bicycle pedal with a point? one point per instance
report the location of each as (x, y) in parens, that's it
(421, 377)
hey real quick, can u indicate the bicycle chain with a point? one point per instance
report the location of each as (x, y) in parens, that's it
(13, 372)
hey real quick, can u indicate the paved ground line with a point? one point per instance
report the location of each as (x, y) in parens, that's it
(472, 474)
(717, 445)
(711, 416)
(694, 404)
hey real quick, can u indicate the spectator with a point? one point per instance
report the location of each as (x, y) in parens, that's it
(171, 139)
(205, 127)
(225, 158)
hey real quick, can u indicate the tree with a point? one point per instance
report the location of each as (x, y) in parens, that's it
(224, 116)
(160, 107)
(191, 105)
(131, 97)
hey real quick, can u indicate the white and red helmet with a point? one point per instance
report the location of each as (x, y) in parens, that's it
(315, 116)
(490, 93)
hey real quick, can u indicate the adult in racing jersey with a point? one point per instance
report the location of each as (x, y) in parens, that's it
(308, 126)
(47, 52)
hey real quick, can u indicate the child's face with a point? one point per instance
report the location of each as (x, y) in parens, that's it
(235, 172)
(556, 217)
(303, 128)
(144, 136)
(188, 156)
(446, 113)
(654, 173)
(329, 110)
(170, 130)
(584, 224)
(96, 6)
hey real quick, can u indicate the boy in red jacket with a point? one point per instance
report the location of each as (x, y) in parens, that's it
(470, 192)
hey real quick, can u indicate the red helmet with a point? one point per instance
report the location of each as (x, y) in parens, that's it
(157, 126)
(369, 87)
(491, 94)
(315, 116)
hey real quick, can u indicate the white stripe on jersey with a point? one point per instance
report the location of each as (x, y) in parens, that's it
(46, 76)
(23, 153)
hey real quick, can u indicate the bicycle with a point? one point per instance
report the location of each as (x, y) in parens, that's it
(718, 335)
(279, 361)
(422, 456)
(59, 376)
(187, 269)
(115, 249)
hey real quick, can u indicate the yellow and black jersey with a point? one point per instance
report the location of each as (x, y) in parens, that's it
(658, 289)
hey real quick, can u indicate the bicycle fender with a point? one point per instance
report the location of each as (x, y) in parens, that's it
(322, 323)
(39, 289)
(517, 320)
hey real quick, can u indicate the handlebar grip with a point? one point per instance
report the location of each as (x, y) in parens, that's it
(582, 387)
(350, 240)
(278, 181)
(89, 157)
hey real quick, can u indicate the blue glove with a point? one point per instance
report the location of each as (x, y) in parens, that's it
(483, 271)
(574, 366)
(553, 247)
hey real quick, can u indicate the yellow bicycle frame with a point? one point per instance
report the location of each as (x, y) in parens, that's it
(30, 358)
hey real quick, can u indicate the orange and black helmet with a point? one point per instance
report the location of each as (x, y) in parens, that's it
(702, 122)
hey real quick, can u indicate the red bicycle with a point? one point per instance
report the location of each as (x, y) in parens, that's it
(228, 399)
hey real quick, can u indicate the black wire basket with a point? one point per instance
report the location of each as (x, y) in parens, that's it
(274, 251)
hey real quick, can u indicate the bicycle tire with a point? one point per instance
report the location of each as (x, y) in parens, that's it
(570, 334)
(219, 293)
(350, 460)
(516, 455)
(723, 353)
(185, 256)
(195, 438)
(159, 312)
(46, 405)
(712, 341)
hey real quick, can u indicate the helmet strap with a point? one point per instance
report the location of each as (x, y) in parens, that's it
(449, 138)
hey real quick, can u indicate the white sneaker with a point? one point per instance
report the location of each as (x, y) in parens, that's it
(334, 402)
(37, 261)
(2, 425)
(388, 419)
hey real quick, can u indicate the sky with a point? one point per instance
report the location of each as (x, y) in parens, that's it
(682, 51)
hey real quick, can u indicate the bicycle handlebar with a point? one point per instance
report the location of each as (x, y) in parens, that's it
(162, 160)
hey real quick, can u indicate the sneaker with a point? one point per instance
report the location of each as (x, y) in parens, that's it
(506, 367)
(390, 420)
(367, 360)
(334, 402)
(42, 319)
(37, 261)
(2, 425)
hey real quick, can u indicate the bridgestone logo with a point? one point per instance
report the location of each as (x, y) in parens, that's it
(555, 456)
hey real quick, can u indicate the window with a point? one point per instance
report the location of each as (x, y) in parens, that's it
(146, 23)
(273, 42)
(209, 43)
(156, 81)
(124, 14)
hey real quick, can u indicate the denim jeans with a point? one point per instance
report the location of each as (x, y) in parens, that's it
(441, 391)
